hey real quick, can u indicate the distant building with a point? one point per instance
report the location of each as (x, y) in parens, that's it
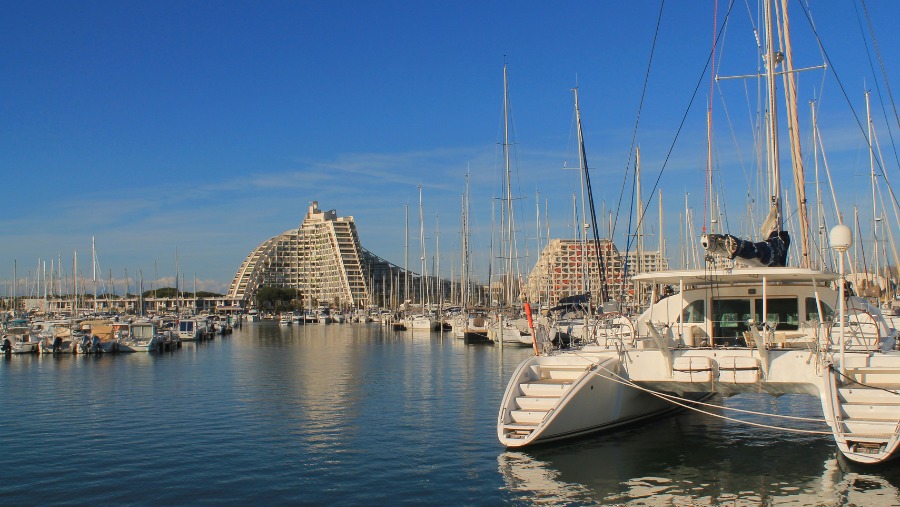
(324, 260)
(570, 267)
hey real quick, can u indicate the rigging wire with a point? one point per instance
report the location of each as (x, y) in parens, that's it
(685, 404)
(688, 108)
(840, 84)
(637, 120)
(887, 84)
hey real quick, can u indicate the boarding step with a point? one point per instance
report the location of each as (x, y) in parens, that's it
(866, 396)
(518, 430)
(872, 374)
(545, 389)
(562, 372)
(536, 403)
(883, 413)
(527, 416)
(868, 438)
(869, 429)
(520, 427)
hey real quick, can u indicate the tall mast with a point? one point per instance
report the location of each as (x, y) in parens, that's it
(94, 267)
(465, 239)
(177, 294)
(771, 60)
(438, 287)
(639, 251)
(660, 243)
(509, 205)
(406, 258)
(790, 92)
(601, 266)
(875, 217)
(422, 250)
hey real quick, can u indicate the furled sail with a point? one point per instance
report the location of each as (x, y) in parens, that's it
(771, 252)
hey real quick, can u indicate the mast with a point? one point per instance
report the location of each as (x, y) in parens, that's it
(406, 258)
(601, 266)
(773, 250)
(94, 267)
(775, 219)
(661, 243)
(422, 250)
(465, 244)
(875, 217)
(177, 293)
(790, 92)
(75, 286)
(640, 212)
(438, 286)
(509, 205)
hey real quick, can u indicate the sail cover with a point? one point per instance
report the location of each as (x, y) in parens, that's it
(771, 252)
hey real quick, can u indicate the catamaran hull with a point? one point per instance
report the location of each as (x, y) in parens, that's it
(556, 397)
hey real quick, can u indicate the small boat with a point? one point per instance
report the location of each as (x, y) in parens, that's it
(323, 315)
(19, 339)
(99, 336)
(511, 330)
(142, 336)
(422, 322)
(285, 319)
(475, 328)
(192, 329)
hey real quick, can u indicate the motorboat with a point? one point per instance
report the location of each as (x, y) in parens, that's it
(19, 338)
(142, 336)
(421, 322)
(192, 329)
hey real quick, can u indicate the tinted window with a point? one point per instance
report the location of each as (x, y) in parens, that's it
(694, 312)
(782, 313)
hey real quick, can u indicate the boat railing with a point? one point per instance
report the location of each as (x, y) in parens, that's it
(861, 332)
(610, 328)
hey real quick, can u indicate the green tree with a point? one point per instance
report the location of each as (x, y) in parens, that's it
(278, 299)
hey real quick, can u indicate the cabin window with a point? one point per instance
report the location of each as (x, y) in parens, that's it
(783, 313)
(730, 319)
(812, 313)
(694, 312)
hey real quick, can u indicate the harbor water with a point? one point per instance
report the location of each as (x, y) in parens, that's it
(358, 414)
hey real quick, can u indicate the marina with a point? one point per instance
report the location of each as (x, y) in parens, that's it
(561, 349)
(360, 414)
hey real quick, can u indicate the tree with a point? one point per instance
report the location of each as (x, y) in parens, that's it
(278, 299)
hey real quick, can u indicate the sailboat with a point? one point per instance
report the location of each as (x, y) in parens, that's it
(759, 327)
(423, 321)
(508, 326)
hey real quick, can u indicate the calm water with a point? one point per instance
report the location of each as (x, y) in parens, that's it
(354, 414)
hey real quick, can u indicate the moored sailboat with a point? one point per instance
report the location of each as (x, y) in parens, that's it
(758, 327)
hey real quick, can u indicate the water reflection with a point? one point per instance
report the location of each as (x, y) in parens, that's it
(690, 460)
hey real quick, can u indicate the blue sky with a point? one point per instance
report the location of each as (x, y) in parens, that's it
(208, 127)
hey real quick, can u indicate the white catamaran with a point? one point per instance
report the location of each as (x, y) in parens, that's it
(761, 328)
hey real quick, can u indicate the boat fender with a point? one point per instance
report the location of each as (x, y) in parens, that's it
(537, 351)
